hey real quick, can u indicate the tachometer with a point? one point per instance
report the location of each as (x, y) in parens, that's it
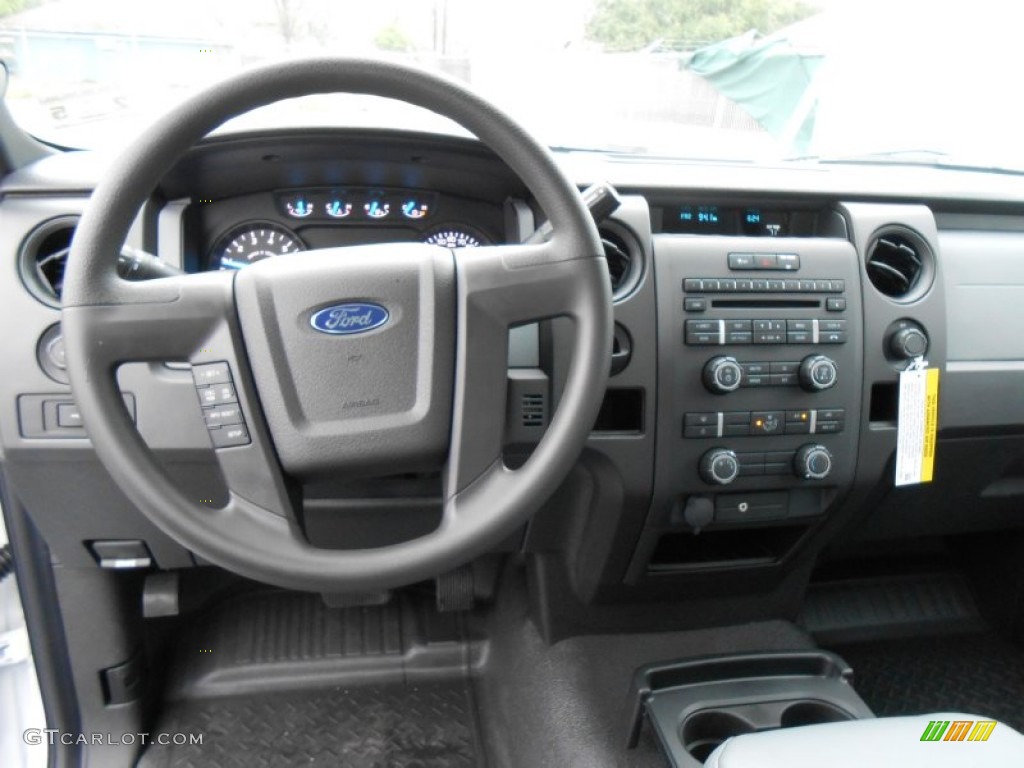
(249, 243)
(455, 237)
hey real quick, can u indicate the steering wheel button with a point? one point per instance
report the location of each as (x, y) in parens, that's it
(229, 437)
(213, 373)
(218, 394)
(220, 417)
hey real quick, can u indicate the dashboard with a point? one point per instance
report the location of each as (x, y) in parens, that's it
(763, 318)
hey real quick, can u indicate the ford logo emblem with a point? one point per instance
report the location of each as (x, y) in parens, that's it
(348, 319)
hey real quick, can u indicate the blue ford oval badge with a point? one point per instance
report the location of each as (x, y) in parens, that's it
(348, 319)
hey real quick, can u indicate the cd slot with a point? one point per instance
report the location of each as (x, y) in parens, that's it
(766, 303)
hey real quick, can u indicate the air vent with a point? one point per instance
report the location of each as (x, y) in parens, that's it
(622, 254)
(533, 410)
(899, 264)
(43, 256)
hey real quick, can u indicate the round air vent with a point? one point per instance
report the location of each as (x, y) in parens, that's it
(900, 264)
(43, 256)
(624, 260)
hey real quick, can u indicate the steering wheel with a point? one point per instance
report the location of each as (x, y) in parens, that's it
(343, 361)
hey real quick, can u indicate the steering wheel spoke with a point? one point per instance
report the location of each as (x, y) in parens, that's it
(188, 318)
(500, 288)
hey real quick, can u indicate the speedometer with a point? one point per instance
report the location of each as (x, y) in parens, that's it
(455, 237)
(251, 242)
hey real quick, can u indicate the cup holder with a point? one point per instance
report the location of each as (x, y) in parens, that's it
(812, 713)
(694, 705)
(704, 731)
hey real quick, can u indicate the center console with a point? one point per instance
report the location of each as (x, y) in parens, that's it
(759, 394)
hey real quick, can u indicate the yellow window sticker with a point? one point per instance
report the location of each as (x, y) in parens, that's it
(918, 422)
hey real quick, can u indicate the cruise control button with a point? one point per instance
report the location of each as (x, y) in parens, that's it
(211, 373)
(218, 394)
(224, 416)
(228, 437)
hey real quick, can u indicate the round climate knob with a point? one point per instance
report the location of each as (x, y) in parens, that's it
(812, 462)
(908, 343)
(818, 372)
(719, 466)
(722, 375)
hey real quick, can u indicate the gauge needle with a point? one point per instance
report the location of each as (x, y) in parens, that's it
(232, 264)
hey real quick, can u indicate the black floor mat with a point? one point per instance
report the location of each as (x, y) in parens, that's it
(979, 674)
(395, 726)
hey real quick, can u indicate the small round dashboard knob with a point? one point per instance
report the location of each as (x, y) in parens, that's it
(812, 462)
(818, 372)
(719, 466)
(908, 343)
(723, 375)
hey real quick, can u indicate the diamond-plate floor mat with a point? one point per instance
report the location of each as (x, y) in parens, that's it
(396, 726)
(980, 674)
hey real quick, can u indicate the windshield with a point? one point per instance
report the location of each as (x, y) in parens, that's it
(898, 81)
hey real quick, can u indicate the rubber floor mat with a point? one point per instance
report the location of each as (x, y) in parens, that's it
(396, 726)
(978, 674)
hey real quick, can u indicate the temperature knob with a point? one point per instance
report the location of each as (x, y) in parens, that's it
(818, 372)
(722, 375)
(719, 466)
(812, 462)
